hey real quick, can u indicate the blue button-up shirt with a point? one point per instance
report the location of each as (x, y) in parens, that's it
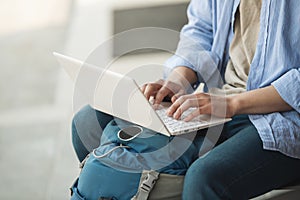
(204, 46)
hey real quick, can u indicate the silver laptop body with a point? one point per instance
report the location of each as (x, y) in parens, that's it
(120, 96)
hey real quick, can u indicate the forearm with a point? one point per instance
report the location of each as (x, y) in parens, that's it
(259, 101)
(183, 76)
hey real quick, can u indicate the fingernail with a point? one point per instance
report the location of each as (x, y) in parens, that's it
(168, 112)
(175, 116)
(186, 119)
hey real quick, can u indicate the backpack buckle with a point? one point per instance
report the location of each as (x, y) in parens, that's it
(81, 165)
(149, 181)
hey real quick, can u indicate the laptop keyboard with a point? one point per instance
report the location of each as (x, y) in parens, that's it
(174, 125)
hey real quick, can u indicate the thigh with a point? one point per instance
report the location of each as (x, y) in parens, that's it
(239, 168)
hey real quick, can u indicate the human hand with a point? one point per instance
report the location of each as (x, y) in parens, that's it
(220, 106)
(161, 89)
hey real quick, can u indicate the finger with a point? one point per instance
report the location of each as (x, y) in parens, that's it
(151, 90)
(169, 89)
(201, 110)
(177, 95)
(143, 88)
(161, 94)
(176, 105)
(193, 100)
(185, 106)
(192, 115)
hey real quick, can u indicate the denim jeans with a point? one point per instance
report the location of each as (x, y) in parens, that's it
(237, 168)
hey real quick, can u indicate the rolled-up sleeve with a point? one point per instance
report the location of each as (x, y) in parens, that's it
(194, 48)
(288, 87)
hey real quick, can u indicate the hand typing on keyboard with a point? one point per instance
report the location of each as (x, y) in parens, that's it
(203, 103)
(161, 90)
(178, 124)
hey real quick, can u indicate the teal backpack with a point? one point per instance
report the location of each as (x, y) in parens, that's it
(135, 163)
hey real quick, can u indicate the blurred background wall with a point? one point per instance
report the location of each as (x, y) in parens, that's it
(37, 160)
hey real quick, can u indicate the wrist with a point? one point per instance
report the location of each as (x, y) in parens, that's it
(183, 76)
(233, 105)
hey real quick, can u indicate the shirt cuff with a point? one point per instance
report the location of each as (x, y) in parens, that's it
(288, 87)
(176, 61)
(204, 63)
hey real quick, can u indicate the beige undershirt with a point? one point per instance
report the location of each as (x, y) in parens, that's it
(242, 48)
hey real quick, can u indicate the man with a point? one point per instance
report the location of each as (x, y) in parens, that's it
(254, 47)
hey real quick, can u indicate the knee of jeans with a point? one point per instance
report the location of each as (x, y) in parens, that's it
(73, 125)
(203, 178)
(80, 117)
(201, 171)
(73, 129)
(87, 126)
(77, 133)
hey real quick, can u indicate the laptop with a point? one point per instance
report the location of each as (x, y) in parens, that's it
(120, 96)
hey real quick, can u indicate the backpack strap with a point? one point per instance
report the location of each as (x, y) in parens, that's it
(148, 180)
